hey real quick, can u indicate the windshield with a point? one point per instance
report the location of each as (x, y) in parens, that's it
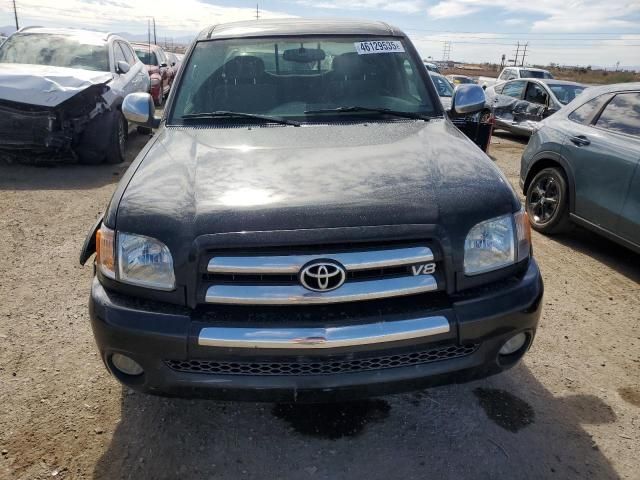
(55, 50)
(443, 86)
(566, 93)
(288, 77)
(534, 74)
(146, 56)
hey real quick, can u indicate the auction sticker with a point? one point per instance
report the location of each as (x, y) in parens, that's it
(378, 46)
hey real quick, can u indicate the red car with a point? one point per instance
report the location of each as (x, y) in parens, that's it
(160, 71)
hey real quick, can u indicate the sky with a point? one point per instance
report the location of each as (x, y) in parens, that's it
(570, 32)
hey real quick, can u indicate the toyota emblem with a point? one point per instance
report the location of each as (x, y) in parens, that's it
(322, 276)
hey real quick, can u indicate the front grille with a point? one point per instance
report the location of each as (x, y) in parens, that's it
(273, 277)
(322, 367)
(25, 127)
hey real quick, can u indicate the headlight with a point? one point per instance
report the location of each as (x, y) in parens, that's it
(497, 243)
(144, 261)
(490, 245)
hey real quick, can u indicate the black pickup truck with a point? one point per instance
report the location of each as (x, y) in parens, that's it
(308, 225)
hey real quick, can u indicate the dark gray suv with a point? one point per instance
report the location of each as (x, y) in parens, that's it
(583, 165)
(307, 224)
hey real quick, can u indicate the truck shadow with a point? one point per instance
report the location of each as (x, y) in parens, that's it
(485, 429)
(603, 250)
(66, 175)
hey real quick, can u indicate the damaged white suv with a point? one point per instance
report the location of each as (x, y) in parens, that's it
(61, 92)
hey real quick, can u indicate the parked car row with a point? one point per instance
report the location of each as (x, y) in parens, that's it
(61, 91)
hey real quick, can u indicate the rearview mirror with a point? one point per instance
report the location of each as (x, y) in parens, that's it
(467, 98)
(139, 108)
(122, 67)
(304, 55)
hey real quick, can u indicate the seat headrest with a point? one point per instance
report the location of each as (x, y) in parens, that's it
(244, 67)
(348, 64)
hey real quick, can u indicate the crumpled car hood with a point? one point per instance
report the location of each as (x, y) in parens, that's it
(45, 85)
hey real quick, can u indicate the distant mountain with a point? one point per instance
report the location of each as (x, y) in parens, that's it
(7, 29)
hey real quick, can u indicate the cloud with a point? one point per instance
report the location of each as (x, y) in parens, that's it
(576, 15)
(184, 16)
(451, 8)
(402, 6)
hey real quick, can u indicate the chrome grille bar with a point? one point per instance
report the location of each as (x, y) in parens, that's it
(291, 264)
(330, 337)
(298, 295)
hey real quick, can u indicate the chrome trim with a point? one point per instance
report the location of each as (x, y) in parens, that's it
(329, 337)
(292, 264)
(298, 295)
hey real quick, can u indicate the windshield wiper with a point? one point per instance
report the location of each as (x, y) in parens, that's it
(228, 114)
(384, 111)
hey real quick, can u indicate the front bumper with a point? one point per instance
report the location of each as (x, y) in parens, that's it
(160, 337)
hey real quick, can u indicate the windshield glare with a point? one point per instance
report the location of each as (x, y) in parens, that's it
(55, 50)
(566, 93)
(286, 77)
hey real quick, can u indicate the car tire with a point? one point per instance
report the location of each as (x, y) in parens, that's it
(547, 202)
(117, 143)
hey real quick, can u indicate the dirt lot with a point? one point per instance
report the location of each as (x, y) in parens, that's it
(570, 410)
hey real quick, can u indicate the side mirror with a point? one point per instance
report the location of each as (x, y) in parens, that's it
(173, 64)
(139, 108)
(467, 98)
(122, 67)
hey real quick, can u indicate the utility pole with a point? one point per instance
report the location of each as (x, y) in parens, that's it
(155, 41)
(524, 54)
(515, 61)
(15, 14)
(257, 12)
(446, 51)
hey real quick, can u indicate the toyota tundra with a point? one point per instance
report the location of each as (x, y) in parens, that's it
(308, 225)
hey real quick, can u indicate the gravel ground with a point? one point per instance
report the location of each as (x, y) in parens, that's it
(571, 409)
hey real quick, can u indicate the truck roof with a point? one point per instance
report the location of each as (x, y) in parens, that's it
(298, 26)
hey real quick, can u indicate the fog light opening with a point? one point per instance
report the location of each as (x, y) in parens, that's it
(514, 344)
(126, 365)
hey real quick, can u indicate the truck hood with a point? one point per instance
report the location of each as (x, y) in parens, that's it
(203, 180)
(45, 85)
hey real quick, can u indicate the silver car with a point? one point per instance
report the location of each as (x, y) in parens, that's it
(61, 92)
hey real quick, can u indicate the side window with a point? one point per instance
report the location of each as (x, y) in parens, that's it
(536, 94)
(499, 88)
(161, 58)
(622, 114)
(505, 74)
(118, 54)
(128, 53)
(514, 89)
(584, 113)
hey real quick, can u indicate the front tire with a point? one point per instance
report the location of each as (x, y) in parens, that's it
(547, 202)
(117, 143)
